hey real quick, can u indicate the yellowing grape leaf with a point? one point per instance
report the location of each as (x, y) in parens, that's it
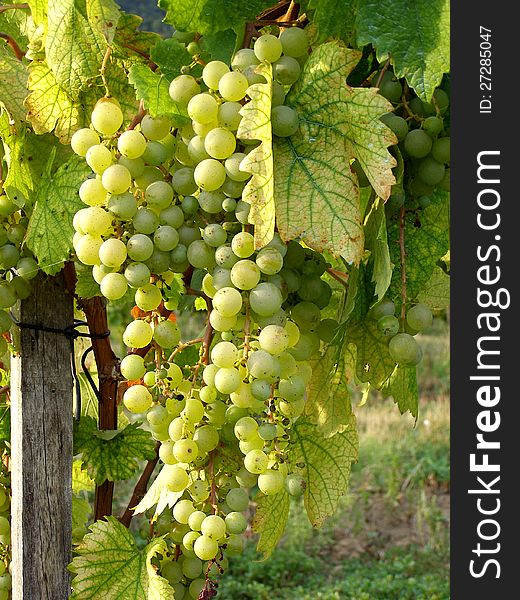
(316, 194)
(13, 84)
(270, 520)
(402, 386)
(159, 494)
(376, 240)
(325, 464)
(436, 292)
(256, 125)
(109, 565)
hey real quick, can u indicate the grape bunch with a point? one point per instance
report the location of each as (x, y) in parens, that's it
(422, 131)
(17, 264)
(402, 345)
(5, 535)
(165, 200)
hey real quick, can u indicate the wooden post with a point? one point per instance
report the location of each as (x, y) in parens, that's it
(41, 438)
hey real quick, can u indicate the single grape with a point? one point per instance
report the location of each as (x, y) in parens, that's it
(417, 143)
(139, 247)
(87, 251)
(391, 90)
(213, 527)
(430, 171)
(265, 299)
(98, 158)
(167, 334)
(183, 181)
(286, 70)
(205, 547)
(112, 253)
(83, 139)
(385, 307)
(224, 354)
(155, 128)
(233, 86)
(442, 99)
(185, 451)
(295, 485)
(243, 244)
(148, 297)
(207, 438)
(419, 317)
(178, 479)
(203, 108)
(155, 153)
(123, 206)
(245, 275)
(183, 88)
(227, 380)
(145, 221)
(131, 144)
(270, 482)
(159, 195)
(397, 124)
(229, 115)
(137, 399)
(137, 334)
(235, 522)
(268, 48)
(232, 167)
(284, 121)
(106, 117)
(441, 150)
(220, 143)
(274, 339)
(256, 462)
(404, 349)
(433, 126)
(237, 499)
(388, 325)
(132, 367)
(295, 41)
(210, 174)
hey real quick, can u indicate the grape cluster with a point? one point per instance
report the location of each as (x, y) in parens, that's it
(402, 345)
(5, 535)
(161, 201)
(17, 264)
(422, 131)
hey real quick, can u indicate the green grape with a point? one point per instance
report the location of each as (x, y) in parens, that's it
(419, 317)
(261, 365)
(214, 527)
(183, 181)
(274, 339)
(167, 334)
(224, 354)
(6, 206)
(430, 171)
(267, 431)
(213, 72)
(327, 329)
(83, 139)
(202, 129)
(284, 121)
(269, 261)
(155, 128)
(293, 333)
(441, 150)
(245, 275)
(131, 144)
(209, 175)
(211, 201)
(7, 295)
(171, 570)
(417, 143)
(420, 108)
(388, 325)
(445, 183)
(172, 216)
(234, 545)
(205, 547)
(155, 154)
(397, 124)
(145, 221)
(235, 522)
(183, 156)
(193, 412)
(246, 428)
(9, 256)
(87, 250)
(123, 206)
(200, 255)
(278, 97)
(158, 417)
(214, 235)
(195, 520)
(137, 334)
(242, 396)
(244, 58)
(433, 126)
(225, 257)
(191, 567)
(292, 388)
(295, 41)
(158, 195)
(261, 389)
(286, 70)
(174, 375)
(185, 451)
(196, 149)
(148, 297)
(132, 367)
(391, 90)
(233, 86)
(148, 176)
(98, 158)
(22, 288)
(137, 399)
(113, 286)
(229, 115)
(139, 247)
(232, 189)
(242, 212)
(306, 347)
(256, 462)
(165, 238)
(270, 482)
(106, 117)
(203, 109)
(112, 253)
(404, 349)
(385, 307)
(207, 438)
(197, 586)
(232, 167)
(265, 299)
(135, 166)
(183, 88)
(178, 480)
(227, 301)
(227, 380)
(5, 325)
(220, 143)
(149, 379)
(220, 322)
(295, 485)
(268, 48)
(442, 99)
(418, 188)
(243, 244)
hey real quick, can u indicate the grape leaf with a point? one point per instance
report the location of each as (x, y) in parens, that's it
(104, 16)
(19, 25)
(111, 455)
(256, 125)
(38, 10)
(80, 480)
(80, 515)
(50, 231)
(416, 36)
(86, 285)
(333, 18)
(74, 46)
(326, 466)
(426, 240)
(170, 56)
(152, 88)
(159, 494)
(210, 16)
(109, 565)
(49, 107)
(436, 292)
(270, 520)
(376, 240)
(220, 45)
(129, 40)
(402, 386)
(13, 84)
(317, 196)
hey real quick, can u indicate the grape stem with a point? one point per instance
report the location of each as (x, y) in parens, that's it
(208, 336)
(13, 44)
(338, 276)
(402, 248)
(140, 489)
(382, 74)
(247, 332)
(138, 117)
(407, 108)
(213, 493)
(103, 69)
(4, 390)
(183, 345)
(5, 7)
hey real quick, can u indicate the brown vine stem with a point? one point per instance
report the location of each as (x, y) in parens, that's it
(338, 276)
(382, 74)
(13, 45)
(138, 117)
(140, 488)
(183, 345)
(402, 248)
(6, 7)
(407, 108)
(4, 389)
(103, 69)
